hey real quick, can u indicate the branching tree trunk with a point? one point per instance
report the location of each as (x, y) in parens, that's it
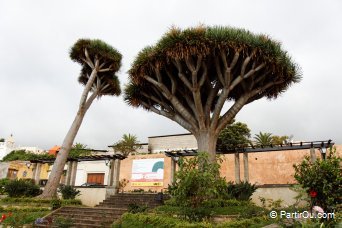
(97, 80)
(189, 76)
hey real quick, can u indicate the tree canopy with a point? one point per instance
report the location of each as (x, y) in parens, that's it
(188, 75)
(234, 135)
(128, 144)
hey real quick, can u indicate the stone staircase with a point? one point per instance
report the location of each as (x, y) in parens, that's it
(104, 214)
(123, 200)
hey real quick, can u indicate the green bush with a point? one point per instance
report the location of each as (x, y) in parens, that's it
(68, 192)
(197, 181)
(56, 203)
(241, 223)
(224, 203)
(322, 178)
(135, 208)
(241, 191)
(22, 188)
(3, 183)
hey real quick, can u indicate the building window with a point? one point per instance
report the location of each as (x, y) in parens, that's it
(96, 178)
(12, 174)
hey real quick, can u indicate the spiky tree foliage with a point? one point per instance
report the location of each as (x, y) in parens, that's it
(128, 144)
(190, 74)
(263, 139)
(100, 63)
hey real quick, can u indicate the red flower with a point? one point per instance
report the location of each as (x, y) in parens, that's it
(313, 193)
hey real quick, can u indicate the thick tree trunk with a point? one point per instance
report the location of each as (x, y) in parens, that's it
(50, 190)
(206, 142)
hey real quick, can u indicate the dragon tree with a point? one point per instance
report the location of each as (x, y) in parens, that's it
(189, 75)
(100, 63)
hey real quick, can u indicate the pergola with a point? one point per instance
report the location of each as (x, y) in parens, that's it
(113, 160)
(321, 145)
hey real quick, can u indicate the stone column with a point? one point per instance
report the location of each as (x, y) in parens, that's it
(34, 171)
(116, 176)
(68, 173)
(312, 155)
(173, 169)
(237, 168)
(73, 173)
(37, 173)
(245, 167)
(111, 173)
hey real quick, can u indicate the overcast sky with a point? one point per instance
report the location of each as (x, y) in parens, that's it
(39, 91)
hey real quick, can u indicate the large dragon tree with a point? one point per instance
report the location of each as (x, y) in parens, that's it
(190, 74)
(99, 62)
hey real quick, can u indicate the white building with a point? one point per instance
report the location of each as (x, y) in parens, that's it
(7, 146)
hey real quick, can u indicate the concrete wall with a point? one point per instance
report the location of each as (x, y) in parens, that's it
(264, 167)
(171, 142)
(91, 196)
(275, 193)
(83, 168)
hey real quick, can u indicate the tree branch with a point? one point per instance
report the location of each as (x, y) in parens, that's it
(173, 117)
(178, 65)
(230, 114)
(89, 85)
(218, 107)
(88, 60)
(174, 101)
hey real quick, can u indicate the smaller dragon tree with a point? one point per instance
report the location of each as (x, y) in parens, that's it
(100, 62)
(189, 75)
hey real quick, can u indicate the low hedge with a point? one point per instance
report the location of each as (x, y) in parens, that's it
(245, 223)
(151, 220)
(25, 209)
(215, 203)
(42, 201)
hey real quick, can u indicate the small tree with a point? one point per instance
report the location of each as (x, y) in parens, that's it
(197, 180)
(322, 179)
(234, 135)
(263, 139)
(79, 149)
(99, 62)
(128, 144)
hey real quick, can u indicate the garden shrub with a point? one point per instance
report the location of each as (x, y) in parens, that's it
(322, 180)
(224, 203)
(135, 208)
(55, 204)
(252, 222)
(197, 181)
(68, 192)
(241, 191)
(3, 183)
(22, 188)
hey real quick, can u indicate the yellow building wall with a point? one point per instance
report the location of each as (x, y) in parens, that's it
(26, 173)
